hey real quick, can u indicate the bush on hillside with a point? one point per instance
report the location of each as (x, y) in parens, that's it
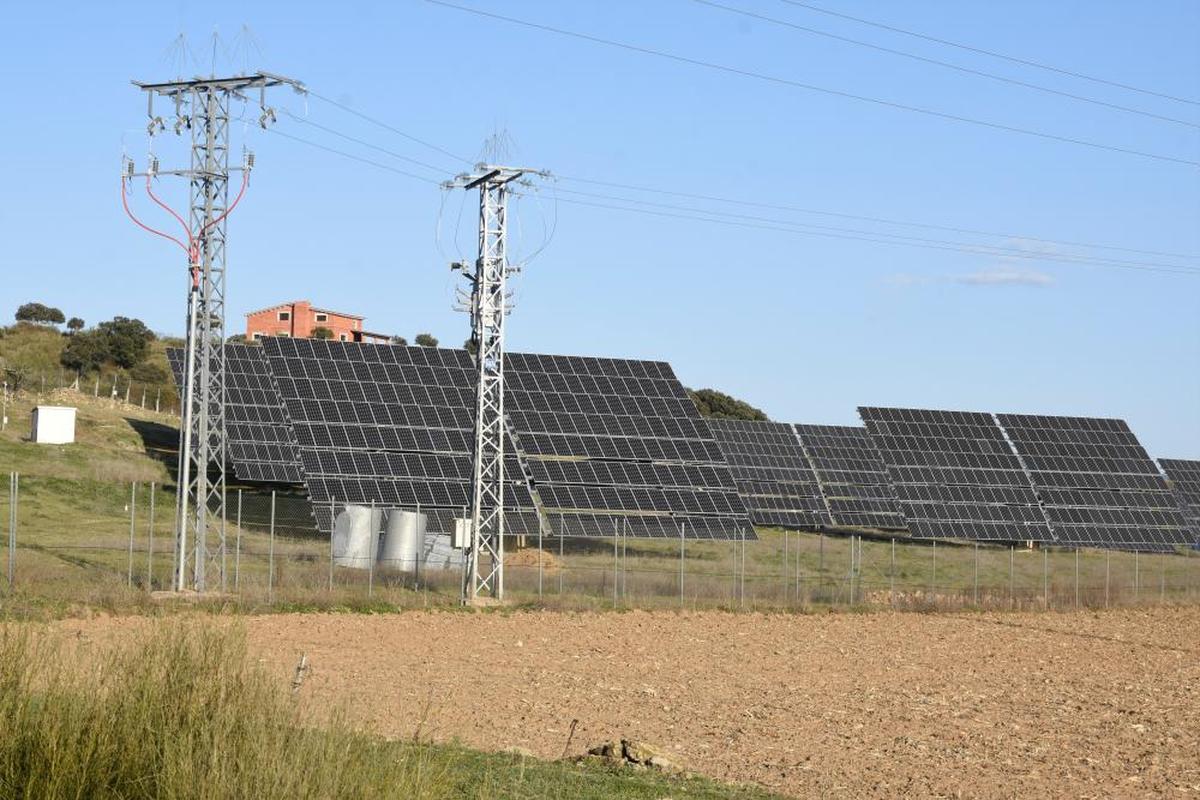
(128, 340)
(426, 340)
(85, 352)
(321, 332)
(75, 324)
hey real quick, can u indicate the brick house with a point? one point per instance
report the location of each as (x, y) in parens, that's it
(299, 318)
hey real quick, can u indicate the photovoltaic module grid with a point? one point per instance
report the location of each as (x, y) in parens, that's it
(617, 446)
(1096, 483)
(1185, 482)
(260, 443)
(387, 425)
(955, 475)
(771, 473)
(852, 476)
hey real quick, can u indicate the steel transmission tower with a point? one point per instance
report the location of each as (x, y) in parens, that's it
(484, 573)
(201, 106)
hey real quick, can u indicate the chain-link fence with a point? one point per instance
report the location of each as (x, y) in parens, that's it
(105, 543)
(115, 388)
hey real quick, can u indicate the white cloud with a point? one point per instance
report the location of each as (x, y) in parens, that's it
(1005, 277)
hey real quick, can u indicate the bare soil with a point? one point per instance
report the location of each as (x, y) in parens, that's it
(850, 705)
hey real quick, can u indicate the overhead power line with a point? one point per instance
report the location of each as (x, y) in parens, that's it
(863, 218)
(353, 157)
(946, 64)
(362, 142)
(775, 79)
(992, 53)
(391, 128)
(793, 230)
(999, 249)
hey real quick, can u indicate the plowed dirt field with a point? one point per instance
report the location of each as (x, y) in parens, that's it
(850, 705)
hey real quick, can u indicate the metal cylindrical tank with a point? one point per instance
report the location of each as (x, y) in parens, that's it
(404, 540)
(355, 537)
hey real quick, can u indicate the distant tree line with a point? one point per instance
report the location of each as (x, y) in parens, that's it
(719, 405)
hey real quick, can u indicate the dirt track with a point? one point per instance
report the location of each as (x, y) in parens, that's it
(1007, 705)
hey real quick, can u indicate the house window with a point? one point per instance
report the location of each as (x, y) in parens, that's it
(256, 335)
(284, 316)
(284, 335)
(322, 317)
(342, 337)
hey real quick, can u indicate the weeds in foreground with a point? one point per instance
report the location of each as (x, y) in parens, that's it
(182, 713)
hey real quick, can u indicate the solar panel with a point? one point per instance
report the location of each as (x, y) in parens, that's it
(852, 476)
(389, 425)
(955, 475)
(1185, 482)
(614, 445)
(1096, 482)
(260, 443)
(772, 474)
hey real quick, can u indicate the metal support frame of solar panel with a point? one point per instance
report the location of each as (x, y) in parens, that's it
(1098, 486)
(260, 443)
(389, 425)
(852, 476)
(955, 475)
(617, 446)
(1184, 475)
(772, 474)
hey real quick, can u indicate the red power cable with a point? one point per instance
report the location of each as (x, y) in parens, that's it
(169, 210)
(143, 226)
(236, 200)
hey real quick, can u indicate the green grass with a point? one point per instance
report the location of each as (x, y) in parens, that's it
(182, 713)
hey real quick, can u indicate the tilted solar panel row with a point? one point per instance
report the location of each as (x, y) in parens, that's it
(1114, 488)
(955, 471)
(1184, 475)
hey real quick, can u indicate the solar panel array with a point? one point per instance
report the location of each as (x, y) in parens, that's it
(1096, 482)
(260, 442)
(1185, 481)
(852, 476)
(955, 475)
(772, 474)
(617, 445)
(389, 425)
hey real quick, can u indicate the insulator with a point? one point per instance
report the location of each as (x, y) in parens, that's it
(129, 167)
(154, 165)
(250, 160)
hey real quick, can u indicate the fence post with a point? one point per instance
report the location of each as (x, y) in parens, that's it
(157, 399)
(1012, 575)
(852, 569)
(562, 565)
(616, 562)
(1162, 578)
(933, 572)
(539, 559)
(237, 546)
(271, 554)
(624, 559)
(1077, 578)
(785, 566)
(371, 554)
(820, 560)
(332, 517)
(742, 586)
(150, 543)
(1137, 579)
(1107, 573)
(976, 589)
(132, 523)
(1045, 578)
(682, 530)
(892, 576)
(13, 493)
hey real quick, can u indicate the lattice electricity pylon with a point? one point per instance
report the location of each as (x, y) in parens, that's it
(202, 107)
(484, 573)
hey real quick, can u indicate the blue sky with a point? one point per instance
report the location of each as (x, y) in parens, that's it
(805, 326)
